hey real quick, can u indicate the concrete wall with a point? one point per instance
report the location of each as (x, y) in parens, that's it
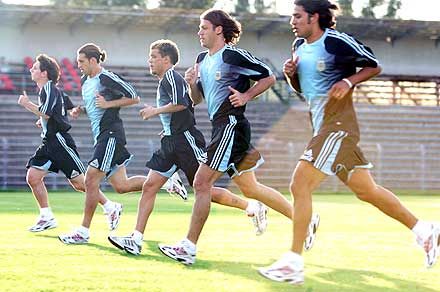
(405, 56)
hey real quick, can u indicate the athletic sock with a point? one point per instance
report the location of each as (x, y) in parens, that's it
(137, 237)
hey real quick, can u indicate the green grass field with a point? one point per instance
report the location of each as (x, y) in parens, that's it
(357, 249)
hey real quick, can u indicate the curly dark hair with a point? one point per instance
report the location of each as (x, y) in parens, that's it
(167, 48)
(231, 27)
(323, 8)
(49, 65)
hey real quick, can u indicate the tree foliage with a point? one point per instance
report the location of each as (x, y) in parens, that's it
(187, 4)
(346, 7)
(393, 7)
(242, 6)
(90, 3)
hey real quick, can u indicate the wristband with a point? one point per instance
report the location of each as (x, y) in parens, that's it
(348, 83)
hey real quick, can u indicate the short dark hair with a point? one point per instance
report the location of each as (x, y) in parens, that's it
(323, 8)
(92, 50)
(167, 48)
(49, 65)
(231, 27)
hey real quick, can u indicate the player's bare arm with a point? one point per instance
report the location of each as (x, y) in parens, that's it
(150, 111)
(25, 102)
(341, 88)
(122, 102)
(289, 70)
(239, 99)
(191, 76)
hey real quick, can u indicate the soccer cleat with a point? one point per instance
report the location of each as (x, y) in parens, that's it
(126, 243)
(260, 219)
(311, 233)
(431, 246)
(43, 224)
(175, 186)
(113, 216)
(178, 253)
(74, 237)
(284, 271)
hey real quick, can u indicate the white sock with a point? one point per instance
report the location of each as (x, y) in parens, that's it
(138, 237)
(422, 229)
(189, 245)
(108, 206)
(46, 212)
(251, 208)
(295, 259)
(84, 231)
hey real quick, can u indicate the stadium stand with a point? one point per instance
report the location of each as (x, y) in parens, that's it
(402, 142)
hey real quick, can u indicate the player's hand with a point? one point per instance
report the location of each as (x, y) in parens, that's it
(290, 66)
(237, 98)
(147, 112)
(23, 99)
(75, 112)
(191, 74)
(339, 90)
(38, 123)
(100, 101)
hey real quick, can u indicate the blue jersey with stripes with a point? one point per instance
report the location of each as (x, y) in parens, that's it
(230, 66)
(111, 86)
(321, 64)
(53, 103)
(173, 89)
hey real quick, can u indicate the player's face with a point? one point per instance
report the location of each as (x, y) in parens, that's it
(156, 62)
(83, 64)
(300, 22)
(207, 33)
(36, 73)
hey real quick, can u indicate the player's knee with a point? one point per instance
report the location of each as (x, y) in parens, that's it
(201, 186)
(90, 184)
(79, 187)
(250, 191)
(365, 195)
(32, 180)
(120, 188)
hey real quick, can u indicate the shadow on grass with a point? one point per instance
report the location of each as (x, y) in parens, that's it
(332, 279)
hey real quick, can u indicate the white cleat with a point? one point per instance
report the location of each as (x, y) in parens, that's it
(311, 232)
(126, 243)
(178, 253)
(175, 187)
(74, 237)
(43, 224)
(431, 246)
(284, 271)
(114, 216)
(260, 218)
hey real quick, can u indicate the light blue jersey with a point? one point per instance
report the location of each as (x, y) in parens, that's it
(324, 62)
(90, 87)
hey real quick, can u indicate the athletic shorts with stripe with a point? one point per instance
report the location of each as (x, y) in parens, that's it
(335, 153)
(230, 149)
(58, 153)
(183, 151)
(109, 154)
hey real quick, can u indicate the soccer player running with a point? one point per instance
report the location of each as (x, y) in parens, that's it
(224, 82)
(182, 146)
(104, 93)
(324, 68)
(57, 150)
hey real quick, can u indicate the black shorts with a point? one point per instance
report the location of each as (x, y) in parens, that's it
(109, 154)
(230, 149)
(183, 151)
(58, 153)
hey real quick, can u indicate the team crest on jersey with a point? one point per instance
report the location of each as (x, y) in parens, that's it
(320, 65)
(218, 75)
(307, 155)
(94, 163)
